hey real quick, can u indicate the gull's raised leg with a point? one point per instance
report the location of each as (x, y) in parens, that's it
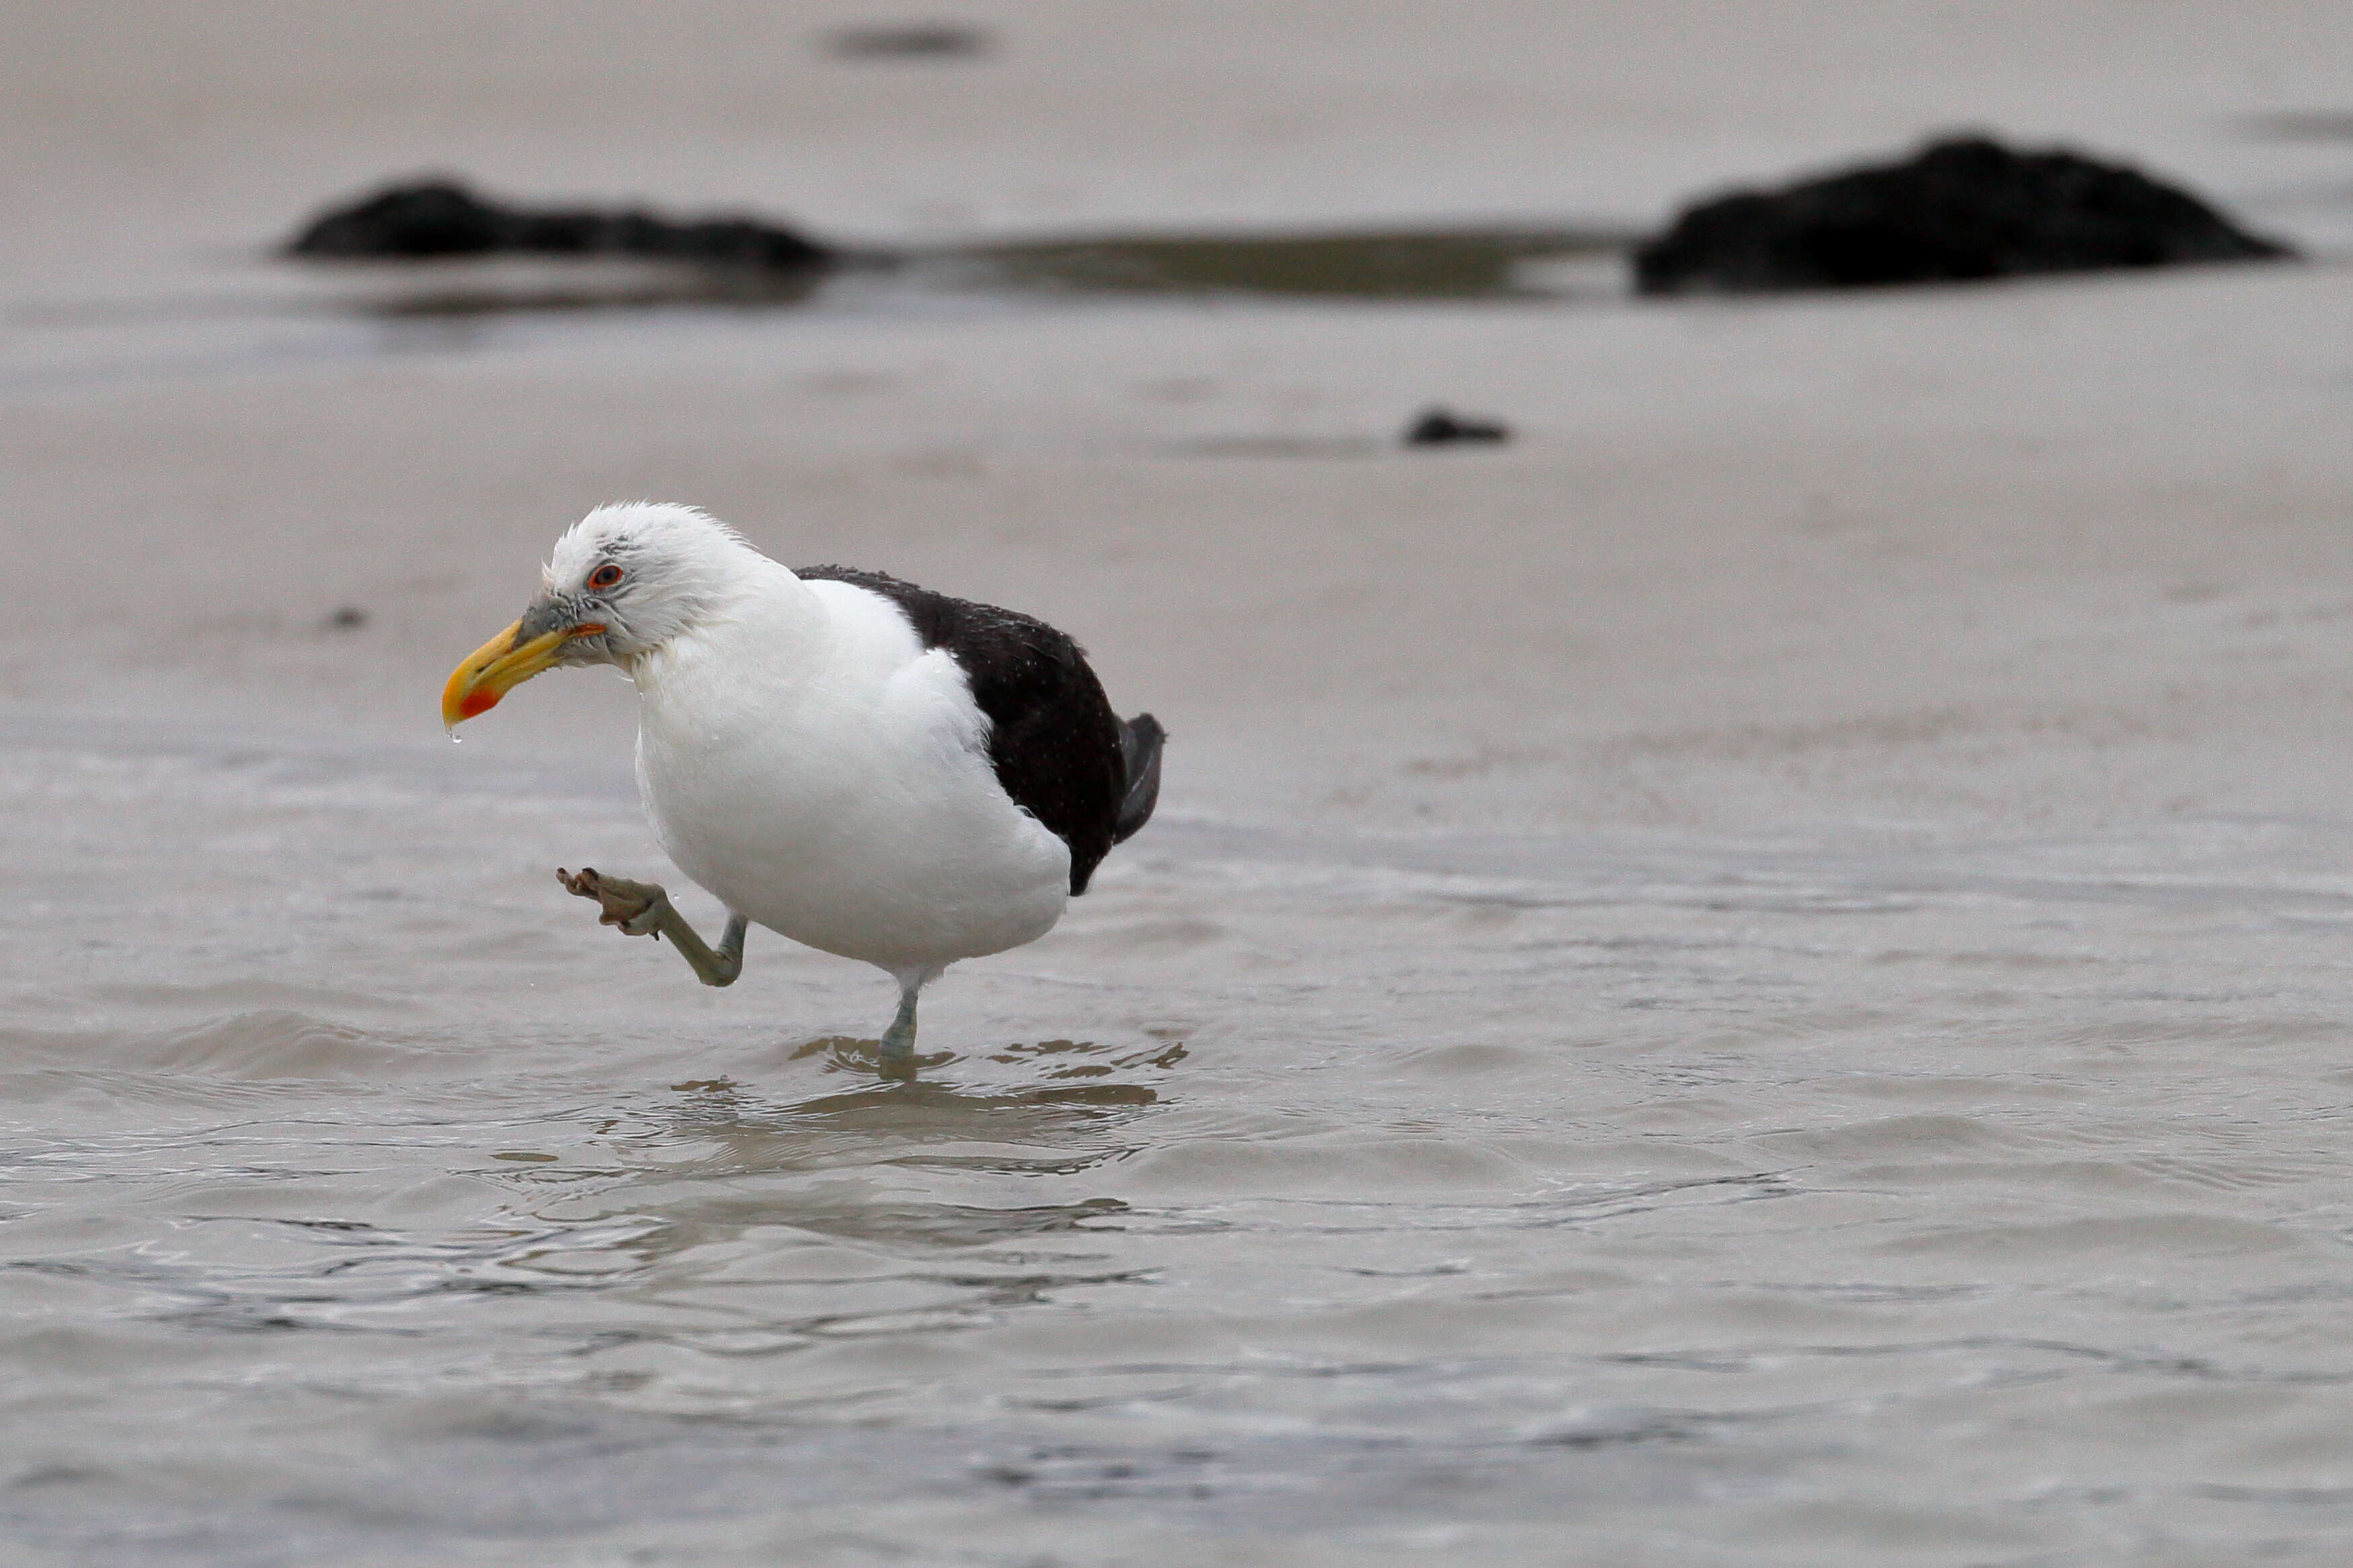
(642, 909)
(898, 1050)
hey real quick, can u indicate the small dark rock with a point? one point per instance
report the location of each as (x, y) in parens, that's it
(442, 218)
(428, 218)
(913, 41)
(1441, 427)
(349, 619)
(1961, 209)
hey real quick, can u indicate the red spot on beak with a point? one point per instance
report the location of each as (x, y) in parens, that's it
(478, 702)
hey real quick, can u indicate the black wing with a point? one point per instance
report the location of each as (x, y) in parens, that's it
(1058, 748)
(1140, 739)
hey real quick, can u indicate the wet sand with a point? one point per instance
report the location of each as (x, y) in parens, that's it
(1754, 977)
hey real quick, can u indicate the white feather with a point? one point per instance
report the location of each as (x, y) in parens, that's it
(805, 758)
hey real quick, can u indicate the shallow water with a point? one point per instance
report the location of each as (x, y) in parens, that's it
(241, 313)
(1307, 1197)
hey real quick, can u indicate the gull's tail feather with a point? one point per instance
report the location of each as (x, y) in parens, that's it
(1139, 748)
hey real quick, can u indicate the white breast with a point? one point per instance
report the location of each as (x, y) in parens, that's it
(805, 759)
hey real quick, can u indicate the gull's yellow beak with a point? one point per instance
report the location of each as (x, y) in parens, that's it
(498, 667)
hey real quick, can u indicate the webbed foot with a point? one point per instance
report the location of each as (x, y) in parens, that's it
(641, 909)
(636, 907)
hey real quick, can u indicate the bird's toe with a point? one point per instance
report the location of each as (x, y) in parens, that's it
(634, 907)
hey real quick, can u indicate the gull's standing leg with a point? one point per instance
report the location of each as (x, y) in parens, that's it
(642, 909)
(897, 1051)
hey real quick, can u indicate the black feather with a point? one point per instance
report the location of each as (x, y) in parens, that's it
(1059, 750)
(1140, 739)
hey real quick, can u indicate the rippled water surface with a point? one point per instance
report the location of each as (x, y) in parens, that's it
(1304, 1199)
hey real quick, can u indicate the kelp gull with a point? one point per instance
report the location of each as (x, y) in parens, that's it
(859, 764)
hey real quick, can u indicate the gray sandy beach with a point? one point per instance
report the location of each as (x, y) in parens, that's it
(1761, 976)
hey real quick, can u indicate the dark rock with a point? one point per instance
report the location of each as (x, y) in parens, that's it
(1440, 428)
(1961, 209)
(430, 218)
(442, 218)
(913, 41)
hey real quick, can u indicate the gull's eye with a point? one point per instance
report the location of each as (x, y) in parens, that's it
(605, 576)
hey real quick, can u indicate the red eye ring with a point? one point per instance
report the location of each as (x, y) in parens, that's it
(605, 576)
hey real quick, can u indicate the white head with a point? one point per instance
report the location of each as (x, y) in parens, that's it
(621, 581)
(644, 571)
